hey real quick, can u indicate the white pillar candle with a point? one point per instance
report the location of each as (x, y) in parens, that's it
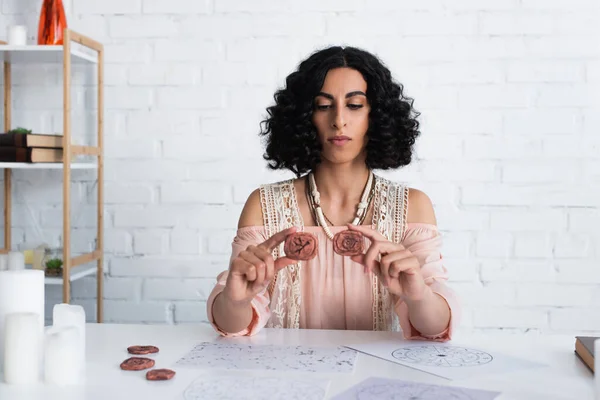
(62, 361)
(23, 348)
(3, 262)
(597, 369)
(17, 35)
(70, 315)
(20, 291)
(16, 260)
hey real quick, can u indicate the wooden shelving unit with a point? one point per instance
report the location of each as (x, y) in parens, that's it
(77, 49)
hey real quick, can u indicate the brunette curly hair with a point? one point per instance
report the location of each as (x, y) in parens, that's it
(291, 138)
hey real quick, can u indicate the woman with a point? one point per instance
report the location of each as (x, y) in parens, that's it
(339, 117)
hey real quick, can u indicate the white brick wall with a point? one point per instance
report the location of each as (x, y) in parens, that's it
(510, 155)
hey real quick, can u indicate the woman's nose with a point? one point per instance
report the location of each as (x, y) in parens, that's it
(339, 119)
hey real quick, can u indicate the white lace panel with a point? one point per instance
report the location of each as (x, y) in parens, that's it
(389, 218)
(280, 211)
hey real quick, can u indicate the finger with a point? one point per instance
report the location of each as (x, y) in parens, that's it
(384, 271)
(250, 272)
(259, 266)
(397, 267)
(376, 249)
(361, 260)
(372, 263)
(250, 256)
(392, 262)
(372, 234)
(267, 258)
(358, 258)
(371, 255)
(283, 262)
(239, 266)
(367, 231)
(277, 238)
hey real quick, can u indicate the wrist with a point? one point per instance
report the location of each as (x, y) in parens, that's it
(426, 296)
(231, 303)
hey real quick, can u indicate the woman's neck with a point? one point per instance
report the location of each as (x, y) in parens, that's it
(341, 185)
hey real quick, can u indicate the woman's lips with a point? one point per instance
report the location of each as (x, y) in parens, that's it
(339, 140)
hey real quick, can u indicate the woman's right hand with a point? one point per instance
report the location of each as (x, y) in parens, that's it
(252, 270)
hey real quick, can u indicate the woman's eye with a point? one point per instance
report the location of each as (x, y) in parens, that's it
(355, 106)
(322, 107)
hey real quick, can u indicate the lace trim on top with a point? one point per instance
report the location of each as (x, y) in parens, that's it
(280, 211)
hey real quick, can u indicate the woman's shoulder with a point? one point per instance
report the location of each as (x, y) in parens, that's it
(420, 208)
(419, 205)
(252, 213)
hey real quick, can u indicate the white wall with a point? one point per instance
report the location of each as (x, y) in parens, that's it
(510, 152)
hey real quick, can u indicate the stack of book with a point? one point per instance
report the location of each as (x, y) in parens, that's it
(23, 146)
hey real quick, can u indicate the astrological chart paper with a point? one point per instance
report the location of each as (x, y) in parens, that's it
(224, 355)
(444, 360)
(229, 387)
(391, 389)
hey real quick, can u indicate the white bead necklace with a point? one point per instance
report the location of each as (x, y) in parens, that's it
(362, 206)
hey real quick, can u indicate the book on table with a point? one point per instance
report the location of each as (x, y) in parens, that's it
(584, 349)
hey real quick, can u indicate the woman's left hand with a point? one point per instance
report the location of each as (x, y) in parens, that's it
(398, 269)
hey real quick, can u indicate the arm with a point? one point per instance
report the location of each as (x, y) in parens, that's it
(230, 317)
(257, 308)
(239, 303)
(430, 314)
(414, 274)
(236, 316)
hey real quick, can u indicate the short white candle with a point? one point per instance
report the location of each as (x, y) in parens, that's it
(3, 262)
(72, 315)
(17, 35)
(23, 348)
(62, 361)
(16, 261)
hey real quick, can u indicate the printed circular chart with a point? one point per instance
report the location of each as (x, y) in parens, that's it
(442, 356)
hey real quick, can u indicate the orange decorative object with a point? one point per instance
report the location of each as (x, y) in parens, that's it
(52, 23)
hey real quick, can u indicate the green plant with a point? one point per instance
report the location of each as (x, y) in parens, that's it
(19, 130)
(54, 263)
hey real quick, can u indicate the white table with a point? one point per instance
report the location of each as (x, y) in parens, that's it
(565, 377)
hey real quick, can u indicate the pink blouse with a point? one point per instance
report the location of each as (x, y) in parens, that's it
(337, 294)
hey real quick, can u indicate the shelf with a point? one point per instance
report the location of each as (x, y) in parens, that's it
(78, 51)
(75, 274)
(36, 54)
(17, 165)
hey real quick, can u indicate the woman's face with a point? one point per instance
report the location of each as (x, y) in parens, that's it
(341, 115)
